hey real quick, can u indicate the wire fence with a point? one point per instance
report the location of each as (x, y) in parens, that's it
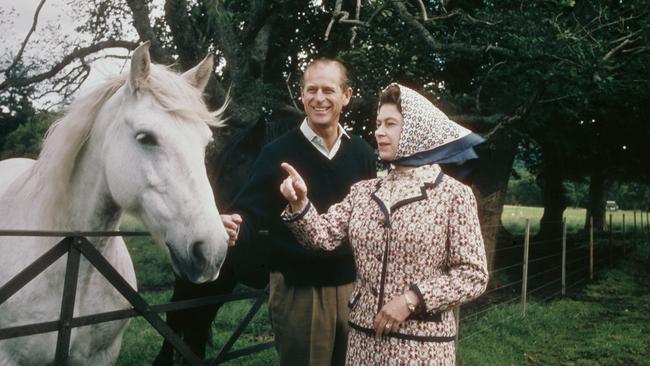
(553, 270)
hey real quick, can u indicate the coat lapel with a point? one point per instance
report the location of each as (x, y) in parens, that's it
(400, 189)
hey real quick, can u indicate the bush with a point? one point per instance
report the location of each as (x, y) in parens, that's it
(523, 190)
(26, 140)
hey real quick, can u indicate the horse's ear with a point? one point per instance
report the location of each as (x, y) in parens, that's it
(200, 74)
(140, 65)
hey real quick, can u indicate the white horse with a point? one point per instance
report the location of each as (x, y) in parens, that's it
(136, 144)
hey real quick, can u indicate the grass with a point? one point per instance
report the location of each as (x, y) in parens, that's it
(606, 323)
(142, 343)
(155, 280)
(514, 219)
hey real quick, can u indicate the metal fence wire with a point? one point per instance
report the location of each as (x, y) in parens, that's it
(584, 256)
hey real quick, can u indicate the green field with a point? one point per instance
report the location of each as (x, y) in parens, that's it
(605, 323)
(514, 219)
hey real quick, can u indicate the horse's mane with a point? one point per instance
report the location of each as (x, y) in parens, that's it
(50, 176)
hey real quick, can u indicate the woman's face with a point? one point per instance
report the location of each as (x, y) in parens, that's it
(389, 128)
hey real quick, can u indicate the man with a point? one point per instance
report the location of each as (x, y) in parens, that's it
(309, 289)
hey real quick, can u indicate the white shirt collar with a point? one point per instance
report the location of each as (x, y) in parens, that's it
(318, 142)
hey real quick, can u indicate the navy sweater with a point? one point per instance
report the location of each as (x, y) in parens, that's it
(260, 204)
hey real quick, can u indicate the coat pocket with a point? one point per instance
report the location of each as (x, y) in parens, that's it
(354, 299)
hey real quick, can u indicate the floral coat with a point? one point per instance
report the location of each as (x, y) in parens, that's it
(417, 230)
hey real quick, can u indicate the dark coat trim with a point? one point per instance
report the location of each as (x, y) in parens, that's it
(382, 281)
(420, 311)
(422, 196)
(398, 204)
(404, 336)
(354, 300)
(382, 207)
(421, 305)
(300, 215)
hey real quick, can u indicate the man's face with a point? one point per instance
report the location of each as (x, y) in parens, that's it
(322, 95)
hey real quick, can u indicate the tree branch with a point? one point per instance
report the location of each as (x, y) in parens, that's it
(616, 49)
(446, 16)
(446, 47)
(357, 13)
(423, 9)
(142, 24)
(520, 113)
(487, 76)
(24, 44)
(374, 13)
(476, 120)
(77, 54)
(335, 14)
(105, 57)
(180, 25)
(286, 81)
(474, 20)
(227, 39)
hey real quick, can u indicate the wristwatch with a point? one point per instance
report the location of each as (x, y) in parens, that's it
(409, 304)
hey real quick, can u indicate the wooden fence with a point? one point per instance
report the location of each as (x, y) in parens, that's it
(76, 244)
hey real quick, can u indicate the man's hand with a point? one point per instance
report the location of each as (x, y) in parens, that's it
(294, 189)
(231, 223)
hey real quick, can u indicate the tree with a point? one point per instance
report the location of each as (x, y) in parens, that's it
(16, 108)
(27, 138)
(514, 71)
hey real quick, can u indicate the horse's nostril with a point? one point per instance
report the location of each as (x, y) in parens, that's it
(198, 251)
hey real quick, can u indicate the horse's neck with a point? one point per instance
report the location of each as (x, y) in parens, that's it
(91, 207)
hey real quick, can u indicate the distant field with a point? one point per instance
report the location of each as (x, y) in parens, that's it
(514, 218)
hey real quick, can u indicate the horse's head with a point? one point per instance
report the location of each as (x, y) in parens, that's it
(154, 151)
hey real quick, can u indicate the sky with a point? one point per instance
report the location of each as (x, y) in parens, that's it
(16, 17)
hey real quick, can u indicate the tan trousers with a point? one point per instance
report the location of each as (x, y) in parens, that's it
(310, 323)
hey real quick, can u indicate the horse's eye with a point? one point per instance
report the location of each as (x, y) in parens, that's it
(146, 139)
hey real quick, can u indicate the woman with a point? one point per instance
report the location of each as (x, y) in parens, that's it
(415, 235)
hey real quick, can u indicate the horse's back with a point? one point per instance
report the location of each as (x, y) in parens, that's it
(10, 169)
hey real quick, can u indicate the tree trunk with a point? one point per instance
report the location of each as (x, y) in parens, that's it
(490, 183)
(553, 197)
(597, 199)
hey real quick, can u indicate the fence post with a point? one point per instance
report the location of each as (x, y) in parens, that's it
(591, 247)
(564, 256)
(524, 278)
(67, 304)
(611, 242)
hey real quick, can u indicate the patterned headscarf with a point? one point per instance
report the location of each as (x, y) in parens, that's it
(429, 136)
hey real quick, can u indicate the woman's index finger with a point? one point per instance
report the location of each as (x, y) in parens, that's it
(291, 171)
